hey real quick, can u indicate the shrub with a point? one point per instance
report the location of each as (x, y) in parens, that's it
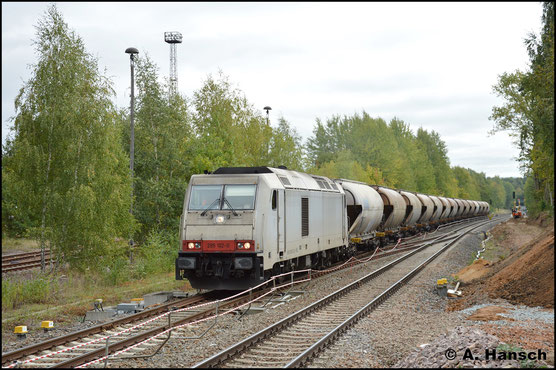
(36, 290)
(116, 271)
(157, 254)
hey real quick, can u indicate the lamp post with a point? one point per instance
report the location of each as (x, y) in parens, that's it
(132, 52)
(267, 108)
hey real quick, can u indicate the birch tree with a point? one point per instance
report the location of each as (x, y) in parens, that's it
(67, 161)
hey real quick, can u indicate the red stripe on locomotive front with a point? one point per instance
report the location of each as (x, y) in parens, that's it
(209, 246)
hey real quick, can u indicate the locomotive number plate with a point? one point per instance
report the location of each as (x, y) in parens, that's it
(219, 245)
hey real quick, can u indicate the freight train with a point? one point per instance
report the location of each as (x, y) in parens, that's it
(241, 225)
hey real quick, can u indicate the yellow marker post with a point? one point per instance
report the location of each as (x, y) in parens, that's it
(47, 325)
(442, 287)
(442, 281)
(21, 331)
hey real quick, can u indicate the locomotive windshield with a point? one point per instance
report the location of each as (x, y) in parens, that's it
(236, 197)
(205, 196)
(239, 196)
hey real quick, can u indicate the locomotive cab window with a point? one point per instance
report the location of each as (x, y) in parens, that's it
(239, 197)
(216, 197)
(274, 198)
(205, 197)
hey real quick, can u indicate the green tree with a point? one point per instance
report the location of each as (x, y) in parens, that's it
(528, 111)
(497, 192)
(322, 146)
(346, 167)
(437, 153)
(416, 166)
(66, 159)
(228, 132)
(467, 185)
(509, 189)
(285, 147)
(417, 163)
(17, 218)
(163, 147)
(533, 200)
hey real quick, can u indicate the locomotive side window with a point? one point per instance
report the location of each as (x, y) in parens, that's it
(239, 197)
(274, 199)
(205, 197)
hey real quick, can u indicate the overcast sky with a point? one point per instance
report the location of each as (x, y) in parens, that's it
(432, 65)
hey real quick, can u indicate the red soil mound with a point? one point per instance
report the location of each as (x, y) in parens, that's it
(525, 277)
(529, 280)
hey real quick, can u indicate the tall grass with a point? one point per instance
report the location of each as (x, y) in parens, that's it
(157, 254)
(103, 275)
(36, 290)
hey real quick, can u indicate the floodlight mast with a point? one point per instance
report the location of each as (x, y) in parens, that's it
(173, 38)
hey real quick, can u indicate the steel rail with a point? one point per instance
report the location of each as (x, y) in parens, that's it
(29, 350)
(15, 256)
(246, 343)
(89, 356)
(23, 265)
(239, 347)
(23, 261)
(329, 338)
(34, 348)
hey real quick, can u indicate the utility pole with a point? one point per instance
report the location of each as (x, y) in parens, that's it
(132, 53)
(267, 108)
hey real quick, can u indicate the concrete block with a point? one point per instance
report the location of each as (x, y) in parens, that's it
(180, 294)
(157, 297)
(252, 310)
(127, 307)
(296, 292)
(100, 315)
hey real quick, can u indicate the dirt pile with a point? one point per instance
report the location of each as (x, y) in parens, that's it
(542, 220)
(476, 270)
(523, 273)
(489, 313)
(529, 280)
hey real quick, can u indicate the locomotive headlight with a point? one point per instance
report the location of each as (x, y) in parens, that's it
(240, 245)
(219, 219)
(190, 245)
(197, 245)
(247, 245)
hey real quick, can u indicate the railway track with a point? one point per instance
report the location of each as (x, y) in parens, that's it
(295, 340)
(23, 261)
(57, 353)
(87, 345)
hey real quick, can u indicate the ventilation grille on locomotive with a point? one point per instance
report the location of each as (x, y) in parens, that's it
(304, 216)
(285, 180)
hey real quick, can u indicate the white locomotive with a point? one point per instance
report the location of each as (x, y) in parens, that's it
(241, 225)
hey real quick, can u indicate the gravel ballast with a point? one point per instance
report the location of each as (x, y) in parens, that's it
(381, 339)
(414, 316)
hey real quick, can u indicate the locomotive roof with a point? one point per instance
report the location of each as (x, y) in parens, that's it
(241, 170)
(288, 178)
